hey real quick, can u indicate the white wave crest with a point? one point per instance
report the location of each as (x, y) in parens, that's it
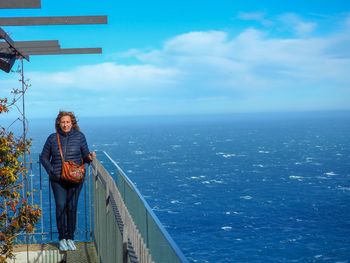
(226, 155)
(264, 151)
(217, 181)
(343, 188)
(246, 197)
(296, 177)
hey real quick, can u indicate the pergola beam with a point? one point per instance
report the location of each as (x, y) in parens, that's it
(11, 50)
(52, 20)
(16, 4)
(32, 44)
(6, 37)
(8, 53)
(64, 51)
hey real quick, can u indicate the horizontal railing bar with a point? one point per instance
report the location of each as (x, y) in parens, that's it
(34, 233)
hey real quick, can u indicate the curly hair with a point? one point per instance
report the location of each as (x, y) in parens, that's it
(72, 117)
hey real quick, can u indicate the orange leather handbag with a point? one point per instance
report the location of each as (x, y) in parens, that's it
(71, 171)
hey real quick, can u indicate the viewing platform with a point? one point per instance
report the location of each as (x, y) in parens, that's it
(116, 224)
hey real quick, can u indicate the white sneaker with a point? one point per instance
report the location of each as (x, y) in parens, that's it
(62, 245)
(71, 245)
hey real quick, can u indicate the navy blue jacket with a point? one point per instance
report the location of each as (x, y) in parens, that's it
(74, 148)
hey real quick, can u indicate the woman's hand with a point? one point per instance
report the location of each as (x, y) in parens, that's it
(91, 156)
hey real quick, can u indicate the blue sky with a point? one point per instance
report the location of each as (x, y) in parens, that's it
(190, 57)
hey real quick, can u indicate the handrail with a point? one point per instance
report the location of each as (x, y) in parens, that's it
(107, 198)
(150, 211)
(141, 229)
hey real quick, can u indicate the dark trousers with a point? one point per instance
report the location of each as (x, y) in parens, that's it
(66, 198)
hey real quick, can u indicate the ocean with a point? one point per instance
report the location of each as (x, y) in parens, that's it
(236, 188)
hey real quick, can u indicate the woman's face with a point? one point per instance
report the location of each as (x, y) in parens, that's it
(66, 123)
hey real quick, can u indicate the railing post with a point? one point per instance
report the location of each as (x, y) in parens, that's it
(85, 212)
(125, 252)
(51, 237)
(41, 201)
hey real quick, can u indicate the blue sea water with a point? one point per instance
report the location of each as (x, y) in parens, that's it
(237, 188)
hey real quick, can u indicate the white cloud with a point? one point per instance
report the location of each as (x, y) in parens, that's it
(250, 70)
(289, 22)
(106, 76)
(197, 43)
(251, 15)
(255, 16)
(296, 24)
(249, 60)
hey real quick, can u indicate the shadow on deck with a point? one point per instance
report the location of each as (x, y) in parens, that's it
(49, 253)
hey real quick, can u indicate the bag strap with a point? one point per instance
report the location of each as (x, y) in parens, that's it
(59, 145)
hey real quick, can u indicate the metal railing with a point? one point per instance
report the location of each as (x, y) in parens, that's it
(112, 213)
(41, 194)
(126, 229)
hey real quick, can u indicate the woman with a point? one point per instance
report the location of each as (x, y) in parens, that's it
(74, 148)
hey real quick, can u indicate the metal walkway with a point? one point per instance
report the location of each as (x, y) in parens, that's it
(49, 253)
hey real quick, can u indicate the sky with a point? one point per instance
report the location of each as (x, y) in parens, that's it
(189, 57)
